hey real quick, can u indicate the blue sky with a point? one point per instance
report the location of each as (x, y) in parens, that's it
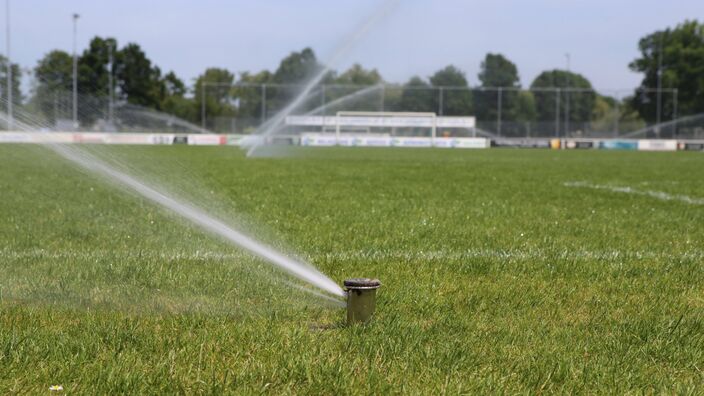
(417, 38)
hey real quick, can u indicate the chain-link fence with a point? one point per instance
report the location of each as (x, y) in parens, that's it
(243, 107)
(500, 112)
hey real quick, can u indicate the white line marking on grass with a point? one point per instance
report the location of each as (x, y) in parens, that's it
(362, 255)
(629, 190)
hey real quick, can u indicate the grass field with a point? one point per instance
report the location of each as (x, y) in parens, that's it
(504, 271)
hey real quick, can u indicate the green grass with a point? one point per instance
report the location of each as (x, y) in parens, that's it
(497, 277)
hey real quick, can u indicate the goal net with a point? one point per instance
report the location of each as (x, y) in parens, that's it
(359, 128)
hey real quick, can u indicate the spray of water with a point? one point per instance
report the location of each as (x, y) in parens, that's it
(344, 99)
(192, 213)
(270, 128)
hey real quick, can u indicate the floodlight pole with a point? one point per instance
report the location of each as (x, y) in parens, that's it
(10, 120)
(75, 73)
(658, 111)
(567, 95)
(440, 101)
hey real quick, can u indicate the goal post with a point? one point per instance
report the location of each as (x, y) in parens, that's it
(385, 129)
(385, 120)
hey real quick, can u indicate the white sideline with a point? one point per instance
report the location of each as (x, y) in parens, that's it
(629, 190)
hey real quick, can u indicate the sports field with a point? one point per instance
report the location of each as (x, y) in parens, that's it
(512, 271)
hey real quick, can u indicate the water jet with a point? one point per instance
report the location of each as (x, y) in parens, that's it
(361, 299)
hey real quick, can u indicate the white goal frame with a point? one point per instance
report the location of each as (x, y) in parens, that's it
(340, 118)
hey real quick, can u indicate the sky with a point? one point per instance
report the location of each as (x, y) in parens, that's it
(417, 37)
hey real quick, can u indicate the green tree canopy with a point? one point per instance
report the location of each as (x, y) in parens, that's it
(357, 75)
(575, 92)
(15, 83)
(681, 51)
(94, 66)
(417, 95)
(139, 81)
(496, 71)
(217, 86)
(454, 101)
(54, 74)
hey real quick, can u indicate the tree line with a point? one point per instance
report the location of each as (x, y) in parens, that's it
(674, 57)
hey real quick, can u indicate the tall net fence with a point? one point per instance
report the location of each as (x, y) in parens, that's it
(499, 112)
(242, 108)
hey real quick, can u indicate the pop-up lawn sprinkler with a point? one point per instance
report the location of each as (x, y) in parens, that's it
(361, 299)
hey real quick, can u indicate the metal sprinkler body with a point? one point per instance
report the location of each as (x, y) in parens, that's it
(361, 299)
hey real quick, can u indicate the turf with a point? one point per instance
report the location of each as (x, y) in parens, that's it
(498, 277)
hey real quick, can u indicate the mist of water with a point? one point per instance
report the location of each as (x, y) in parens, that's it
(269, 128)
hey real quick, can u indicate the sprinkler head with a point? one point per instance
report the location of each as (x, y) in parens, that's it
(361, 299)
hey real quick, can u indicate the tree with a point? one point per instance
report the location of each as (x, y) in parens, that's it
(498, 72)
(417, 95)
(454, 101)
(357, 75)
(525, 107)
(54, 75)
(579, 98)
(15, 84)
(94, 66)
(55, 71)
(173, 98)
(215, 85)
(252, 96)
(681, 53)
(138, 81)
(355, 80)
(293, 71)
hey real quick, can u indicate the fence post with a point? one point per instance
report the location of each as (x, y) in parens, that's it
(675, 94)
(263, 115)
(499, 106)
(618, 114)
(383, 96)
(202, 104)
(557, 112)
(440, 105)
(322, 97)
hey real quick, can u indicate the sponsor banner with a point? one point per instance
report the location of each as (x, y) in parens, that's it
(691, 146)
(618, 144)
(89, 137)
(15, 137)
(330, 139)
(579, 144)
(470, 143)
(137, 138)
(234, 140)
(180, 139)
(411, 142)
(206, 139)
(35, 137)
(320, 139)
(370, 141)
(443, 142)
(162, 138)
(520, 143)
(382, 121)
(657, 145)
